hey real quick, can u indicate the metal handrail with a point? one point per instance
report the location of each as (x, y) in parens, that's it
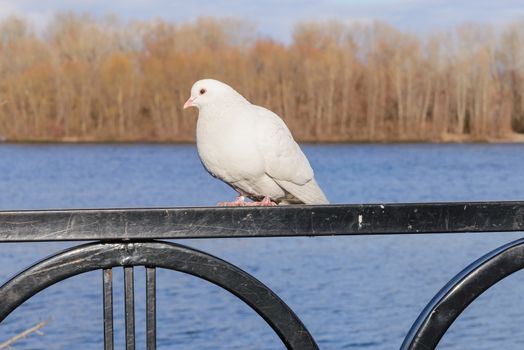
(301, 220)
(127, 238)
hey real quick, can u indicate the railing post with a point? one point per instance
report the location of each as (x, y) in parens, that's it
(108, 308)
(129, 296)
(151, 308)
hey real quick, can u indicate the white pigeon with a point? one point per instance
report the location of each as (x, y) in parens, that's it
(250, 148)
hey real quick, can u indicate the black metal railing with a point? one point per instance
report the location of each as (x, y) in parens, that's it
(129, 237)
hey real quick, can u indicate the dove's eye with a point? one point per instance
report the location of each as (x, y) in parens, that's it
(202, 91)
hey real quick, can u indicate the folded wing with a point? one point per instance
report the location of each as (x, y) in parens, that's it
(284, 160)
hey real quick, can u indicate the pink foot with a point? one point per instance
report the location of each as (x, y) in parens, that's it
(266, 202)
(239, 202)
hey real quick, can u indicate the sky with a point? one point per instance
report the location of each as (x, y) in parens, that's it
(276, 18)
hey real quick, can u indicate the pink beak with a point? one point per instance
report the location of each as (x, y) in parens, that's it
(189, 103)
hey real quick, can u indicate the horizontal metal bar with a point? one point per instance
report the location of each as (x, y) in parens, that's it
(302, 220)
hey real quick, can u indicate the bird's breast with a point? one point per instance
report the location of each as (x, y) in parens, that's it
(227, 149)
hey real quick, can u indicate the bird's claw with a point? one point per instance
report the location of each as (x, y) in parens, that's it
(239, 202)
(266, 202)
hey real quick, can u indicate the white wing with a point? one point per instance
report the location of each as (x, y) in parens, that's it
(284, 160)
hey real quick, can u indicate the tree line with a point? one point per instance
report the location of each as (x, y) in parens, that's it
(90, 79)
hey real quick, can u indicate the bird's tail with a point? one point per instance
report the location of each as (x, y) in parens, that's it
(309, 193)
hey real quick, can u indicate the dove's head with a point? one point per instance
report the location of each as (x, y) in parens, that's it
(208, 92)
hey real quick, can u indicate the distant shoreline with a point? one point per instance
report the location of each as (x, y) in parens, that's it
(517, 139)
(334, 83)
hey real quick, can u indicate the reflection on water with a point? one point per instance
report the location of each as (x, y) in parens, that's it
(351, 292)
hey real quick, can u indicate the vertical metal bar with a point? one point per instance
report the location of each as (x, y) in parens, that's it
(151, 307)
(108, 309)
(129, 296)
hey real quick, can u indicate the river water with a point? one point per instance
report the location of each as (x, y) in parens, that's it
(351, 292)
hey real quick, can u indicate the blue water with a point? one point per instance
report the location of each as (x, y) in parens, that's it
(351, 292)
